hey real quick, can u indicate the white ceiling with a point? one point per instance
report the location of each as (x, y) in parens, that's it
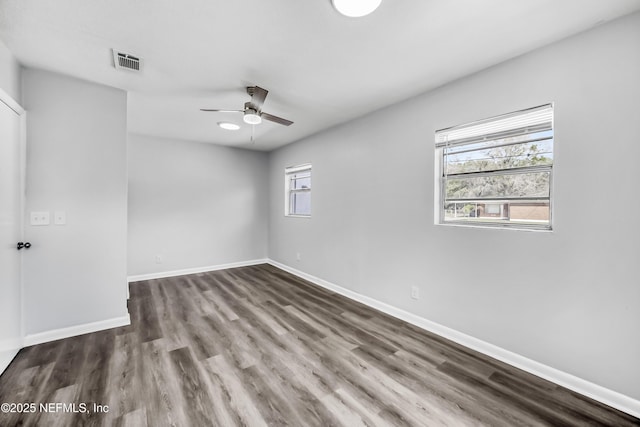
(321, 68)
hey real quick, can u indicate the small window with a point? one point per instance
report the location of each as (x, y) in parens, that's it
(497, 172)
(297, 187)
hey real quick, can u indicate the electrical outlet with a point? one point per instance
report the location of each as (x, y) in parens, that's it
(298, 257)
(415, 292)
(158, 259)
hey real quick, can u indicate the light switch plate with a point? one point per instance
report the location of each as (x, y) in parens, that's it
(60, 217)
(39, 218)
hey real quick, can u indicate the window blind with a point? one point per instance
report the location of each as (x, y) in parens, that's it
(522, 122)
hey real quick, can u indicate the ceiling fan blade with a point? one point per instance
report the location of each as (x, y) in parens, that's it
(276, 119)
(222, 111)
(258, 95)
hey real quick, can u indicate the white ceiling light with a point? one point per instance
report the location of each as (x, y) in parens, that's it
(252, 117)
(228, 126)
(355, 8)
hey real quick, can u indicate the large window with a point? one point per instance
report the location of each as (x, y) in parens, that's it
(297, 187)
(497, 172)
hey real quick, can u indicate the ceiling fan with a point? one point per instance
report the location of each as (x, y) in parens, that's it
(252, 111)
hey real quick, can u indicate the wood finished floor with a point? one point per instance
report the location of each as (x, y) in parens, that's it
(256, 346)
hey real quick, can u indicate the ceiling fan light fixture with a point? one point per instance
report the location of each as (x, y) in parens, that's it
(252, 117)
(228, 126)
(355, 8)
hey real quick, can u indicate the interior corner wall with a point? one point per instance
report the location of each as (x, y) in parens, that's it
(567, 298)
(74, 274)
(194, 205)
(9, 73)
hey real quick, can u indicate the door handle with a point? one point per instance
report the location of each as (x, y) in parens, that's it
(25, 245)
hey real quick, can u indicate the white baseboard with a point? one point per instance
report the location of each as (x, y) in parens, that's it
(72, 331)
(10, 345)
(5, 358)
(183, 272)
(594, 391)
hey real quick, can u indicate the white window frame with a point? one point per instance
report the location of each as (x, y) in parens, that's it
(288, 171)
(518, 122)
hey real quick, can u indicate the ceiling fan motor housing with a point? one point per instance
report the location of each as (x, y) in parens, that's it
(251, 116)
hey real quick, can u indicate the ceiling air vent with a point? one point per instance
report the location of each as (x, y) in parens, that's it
(126, 62)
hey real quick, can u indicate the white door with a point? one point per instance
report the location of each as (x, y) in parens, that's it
(10, 229)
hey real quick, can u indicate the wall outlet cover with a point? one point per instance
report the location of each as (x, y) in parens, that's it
(39, 218)
(59, 217)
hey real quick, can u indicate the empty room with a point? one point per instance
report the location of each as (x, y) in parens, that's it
(319, 213)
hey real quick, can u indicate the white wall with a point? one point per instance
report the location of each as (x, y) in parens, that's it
(568, 299)
(9, 73)
(194, 204)
(76, 162)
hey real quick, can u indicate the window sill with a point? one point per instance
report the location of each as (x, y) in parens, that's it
(513, 227)
(297, 216)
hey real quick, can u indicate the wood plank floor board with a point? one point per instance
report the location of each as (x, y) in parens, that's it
(301, 366)
(249, 290)
(146, 314)
(68, 394)
(197, 334)
(182, 306)
(231, 401)
(175, 334)
(45, 353)
(124, 382)
(421, 408)
(350, 411)
(200, 305)
(531, 393)
(195, 395)
(361, 380)
(291, 322)
(274, 407)
(234, 340)
(258, 316)
(219, 308)
(340, 326)
(538, 412)
(428, 381)
(324, 325)
(93, 381)
(306, 406)
(163, 396)
(257, 346)
(132, 419)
